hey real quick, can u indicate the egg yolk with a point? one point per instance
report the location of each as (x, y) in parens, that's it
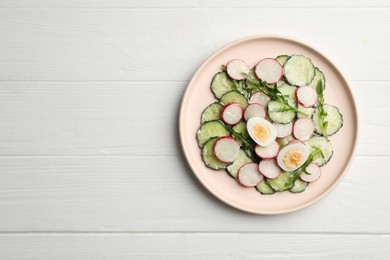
(292, 159)
(261, 132)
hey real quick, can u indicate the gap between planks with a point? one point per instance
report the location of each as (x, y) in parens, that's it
(192, 233)
(193, 8)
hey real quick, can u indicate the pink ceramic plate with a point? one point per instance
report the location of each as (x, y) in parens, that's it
(198, 95)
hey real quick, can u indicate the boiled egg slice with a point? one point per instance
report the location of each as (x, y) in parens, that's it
(293, 156)
(261, 131)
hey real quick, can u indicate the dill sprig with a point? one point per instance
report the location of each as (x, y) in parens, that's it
(320, 107)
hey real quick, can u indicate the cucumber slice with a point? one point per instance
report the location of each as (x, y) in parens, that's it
(210, 129)
(212, 112)
(319, 75)
(282, 59)
(280, 182)
(252, 76)
(209, 158)
(241, 129)
(264, 188)
(299, 70)
(234, 96)
(308, 111)
(299, 186)
(324, 145)
(334, 119)
(281, 83)
(236, 165)
(284, 141)
(288, 90)
(242, 88)
(221, 84)
(276, 113)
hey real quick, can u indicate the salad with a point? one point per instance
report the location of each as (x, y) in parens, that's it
(269, 127)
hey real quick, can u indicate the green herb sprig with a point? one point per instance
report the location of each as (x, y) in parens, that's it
(273, 93)
(294, 176)
(320, 107)
(246, 144)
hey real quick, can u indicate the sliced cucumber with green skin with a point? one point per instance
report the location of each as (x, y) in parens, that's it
(264, 188)
(281, 83)
(333, 117)
(288, 90)
(282, 59)
(285, 140)
(221, 84)
(236, 165)
(319, 75)
(209, 158)
(212, 112)
(280, 182)
(299, 186)
(276, 113)
(234, 96)
(252, 76)
(306, 111)
(324, 145)
(299, 70)
(242, 88)
(209, 130)
(241, 129)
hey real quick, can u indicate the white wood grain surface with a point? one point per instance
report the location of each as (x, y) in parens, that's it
(88, 171)
(195, 246)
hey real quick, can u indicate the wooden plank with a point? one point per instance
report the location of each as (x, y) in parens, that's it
(194, 246)
(161, 194)
(106, 45)
(89, 118)
(190, 4)
(131, 118)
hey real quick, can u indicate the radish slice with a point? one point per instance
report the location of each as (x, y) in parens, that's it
(303, 129)
(259, 98)
(235, 68)
(315, 173)
(270, 168)
(226, 149)
(306, 96)
(283, 130)
(249, 175)
(267, 152)
(254, 110)
(269, 70)
(232, 113)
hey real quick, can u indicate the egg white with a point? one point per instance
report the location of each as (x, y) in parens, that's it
(252, 122)
(304, 149)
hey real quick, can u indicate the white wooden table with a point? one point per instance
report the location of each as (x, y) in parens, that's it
(90, 161)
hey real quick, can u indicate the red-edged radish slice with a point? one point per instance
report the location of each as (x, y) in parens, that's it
(267, 152)
(232, 113)
(315, 173)
(249, 175)
(259, 98)
(254, 110)
(306, 96)
(303, 129)
(235, 68)
(269, 70)
(270, 168)
(283, 130)
(226, 149)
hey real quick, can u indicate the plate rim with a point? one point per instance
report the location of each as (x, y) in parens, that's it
(186, 95)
